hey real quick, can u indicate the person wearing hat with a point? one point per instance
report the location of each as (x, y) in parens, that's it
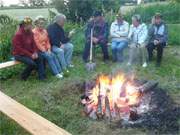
(100, 35)
(158, 37)
(138, 37)
(25, 50)
(44, 48)
(61, 45)
(119, 32)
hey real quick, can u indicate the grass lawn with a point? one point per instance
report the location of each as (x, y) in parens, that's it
(59, 100)
(20, 13)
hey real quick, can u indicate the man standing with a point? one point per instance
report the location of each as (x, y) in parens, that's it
(60, 42)
(119, 32)
(158, 36)
(100, 35)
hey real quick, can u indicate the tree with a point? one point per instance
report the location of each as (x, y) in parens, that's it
(77, 10)
(37, 3)
(1, 3)
(24, 3)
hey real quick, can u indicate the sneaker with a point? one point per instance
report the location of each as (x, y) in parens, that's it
(71, 65)
(59, 76)
(67, 71)
(128, 64)
(144, 65)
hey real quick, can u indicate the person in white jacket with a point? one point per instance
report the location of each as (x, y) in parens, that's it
(138, 34)
(119, 33)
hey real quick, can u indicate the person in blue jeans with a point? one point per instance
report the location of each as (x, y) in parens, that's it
(24, 50)
(44, 48)
(119, 32)
(61, 45)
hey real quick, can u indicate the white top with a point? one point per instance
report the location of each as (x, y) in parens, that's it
(138, 34)
(119, 32)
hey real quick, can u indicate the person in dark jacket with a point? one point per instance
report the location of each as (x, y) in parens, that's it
(100, 35)
(61, 45)
(157, 38)
(25, 51)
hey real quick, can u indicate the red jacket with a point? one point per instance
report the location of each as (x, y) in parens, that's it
(23, 43)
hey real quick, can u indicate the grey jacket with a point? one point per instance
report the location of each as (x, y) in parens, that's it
(158, 32)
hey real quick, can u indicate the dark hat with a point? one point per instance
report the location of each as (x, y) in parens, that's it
(97, 13)
(158, 15)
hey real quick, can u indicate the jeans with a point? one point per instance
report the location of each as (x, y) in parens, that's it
(136, 53)
(52, 62)
(31, 65)
(86, 51)
(117, 50)
(159, 47)
(64, 55)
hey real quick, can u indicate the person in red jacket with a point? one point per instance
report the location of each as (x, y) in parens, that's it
(25, 51)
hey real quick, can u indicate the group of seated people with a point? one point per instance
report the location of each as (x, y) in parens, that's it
(35, 46)
(137, 36)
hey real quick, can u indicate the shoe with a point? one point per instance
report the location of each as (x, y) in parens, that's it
(59, 76)
(67, 71)
(128, 64)
(71, 66)
(144, 65)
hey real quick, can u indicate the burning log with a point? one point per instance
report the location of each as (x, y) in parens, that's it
(147, 86)
(107, 108)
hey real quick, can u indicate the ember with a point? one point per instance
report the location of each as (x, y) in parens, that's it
(126, 100)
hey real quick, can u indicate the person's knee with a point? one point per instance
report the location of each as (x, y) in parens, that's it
(69, 47)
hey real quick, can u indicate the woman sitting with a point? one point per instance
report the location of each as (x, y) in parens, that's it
(44, 47)
(24, 50)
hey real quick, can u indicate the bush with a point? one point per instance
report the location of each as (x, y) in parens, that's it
(8, 27)
(173, 31)
(170, 12)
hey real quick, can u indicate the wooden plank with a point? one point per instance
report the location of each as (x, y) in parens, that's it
(29, 120)
(8, 64)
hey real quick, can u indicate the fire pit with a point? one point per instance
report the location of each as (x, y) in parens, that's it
(130, 102)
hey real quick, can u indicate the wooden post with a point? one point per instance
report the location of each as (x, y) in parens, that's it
(29, 120)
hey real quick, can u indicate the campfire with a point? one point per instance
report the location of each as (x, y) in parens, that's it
(122, 98)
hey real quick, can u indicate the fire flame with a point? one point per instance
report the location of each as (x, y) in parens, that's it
(118, 89)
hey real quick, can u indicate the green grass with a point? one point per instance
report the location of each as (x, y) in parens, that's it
(20, 13)
(59, 100)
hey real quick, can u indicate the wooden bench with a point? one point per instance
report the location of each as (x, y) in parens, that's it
(29, 120)
(8, 64)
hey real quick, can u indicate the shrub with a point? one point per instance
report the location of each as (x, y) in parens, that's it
(8, 27)
(173, 31)
(170, 12)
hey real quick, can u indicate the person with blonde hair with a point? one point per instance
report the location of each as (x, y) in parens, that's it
(44, 48)
(25, 51)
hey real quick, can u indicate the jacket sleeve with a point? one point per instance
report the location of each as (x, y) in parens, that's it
(18, 46)
(53, 35)
(124, 32)
(38, 43)
(47, 41)
(164, 37)
(88, 31)
(113, 33)
(104, 36)
(130, 32)
(142, 36)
